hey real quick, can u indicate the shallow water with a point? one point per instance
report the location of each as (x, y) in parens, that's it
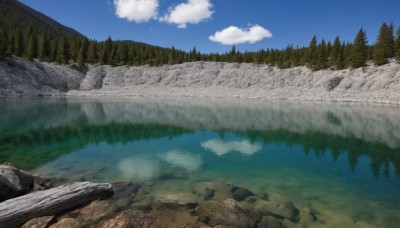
(340, 160)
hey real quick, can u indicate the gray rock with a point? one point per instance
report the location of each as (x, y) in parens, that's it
(93, 79)
(333, 83)
(269, 222)
(14, 182)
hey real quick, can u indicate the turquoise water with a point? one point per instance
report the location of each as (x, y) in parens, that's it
(340, 160)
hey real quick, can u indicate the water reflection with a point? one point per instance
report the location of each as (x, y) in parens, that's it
(221, 148)
(35, 132)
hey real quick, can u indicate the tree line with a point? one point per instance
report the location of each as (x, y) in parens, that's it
(52, 45)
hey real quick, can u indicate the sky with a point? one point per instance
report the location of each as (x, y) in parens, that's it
(217, 25)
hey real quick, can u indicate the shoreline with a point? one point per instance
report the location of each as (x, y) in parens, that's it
(370, 84)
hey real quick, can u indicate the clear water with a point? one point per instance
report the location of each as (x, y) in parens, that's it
(340, 160)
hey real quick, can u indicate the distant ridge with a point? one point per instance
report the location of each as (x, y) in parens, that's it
(16, 14)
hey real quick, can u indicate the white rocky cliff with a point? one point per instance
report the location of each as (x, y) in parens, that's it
(19, 77)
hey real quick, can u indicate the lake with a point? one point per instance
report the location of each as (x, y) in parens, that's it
(340, 160)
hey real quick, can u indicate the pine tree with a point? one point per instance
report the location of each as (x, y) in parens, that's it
(312, 55)
(3, 43)
(30, 51)
(106, 51)
(42, 47)
(398, 46)
(322, 56)
(335, 53)
(10, 43)
(359, 52)
(389, 44)
(82, 54)
(379, 52)
(18, 47)
(62, 51)
(92, 52)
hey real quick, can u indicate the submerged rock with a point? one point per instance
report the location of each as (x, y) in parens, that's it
(240, 193)
(208, 194)
(130, 218)
(68, 222)
(225, 214)
(269, 222)
(41, 222)
(287, 210)
(14, 182)
(94, 213)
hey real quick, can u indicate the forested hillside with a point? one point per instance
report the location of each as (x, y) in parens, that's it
(27, 33)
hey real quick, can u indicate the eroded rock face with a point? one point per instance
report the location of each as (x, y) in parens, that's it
(13, 182)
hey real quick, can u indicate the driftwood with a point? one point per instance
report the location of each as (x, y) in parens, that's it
(15, 212)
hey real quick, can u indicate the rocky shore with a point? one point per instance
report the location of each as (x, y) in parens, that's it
(128, 204)
(371, 84)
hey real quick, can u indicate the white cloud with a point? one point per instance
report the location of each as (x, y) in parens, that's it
(136, 10)
(183, 159)
(192, 12)
(139, 168)
(234, 35)
(221, 148)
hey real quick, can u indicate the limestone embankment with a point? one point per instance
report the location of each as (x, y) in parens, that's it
(19, 77)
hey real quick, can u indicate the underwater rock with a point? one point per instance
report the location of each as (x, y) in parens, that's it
(307, 217)
(124, 192)
(287, 210)
(94, 213)
(14, 182)
(209, 194)
(173, 176)
(240, 193)
(41, 222)
(143, 201)
(68, 222)
(130, 218)
(226, 214)
(269, 222)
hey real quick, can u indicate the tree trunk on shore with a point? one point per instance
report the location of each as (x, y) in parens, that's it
(15, 212)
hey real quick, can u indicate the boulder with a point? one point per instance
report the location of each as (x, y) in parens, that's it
(14, 182)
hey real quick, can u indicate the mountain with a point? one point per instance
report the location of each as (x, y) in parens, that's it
(16, 14)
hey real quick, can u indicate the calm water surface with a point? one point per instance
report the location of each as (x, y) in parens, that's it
(342, 161)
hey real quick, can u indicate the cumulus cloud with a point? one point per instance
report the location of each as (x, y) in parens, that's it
(189, 161)
(136, 10)
(234, 35)
(139, 168)
(191, 12)
(221, 148)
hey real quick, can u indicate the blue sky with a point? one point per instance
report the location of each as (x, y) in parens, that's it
(249, 24)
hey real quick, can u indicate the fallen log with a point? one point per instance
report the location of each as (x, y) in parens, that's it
(15, 212)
